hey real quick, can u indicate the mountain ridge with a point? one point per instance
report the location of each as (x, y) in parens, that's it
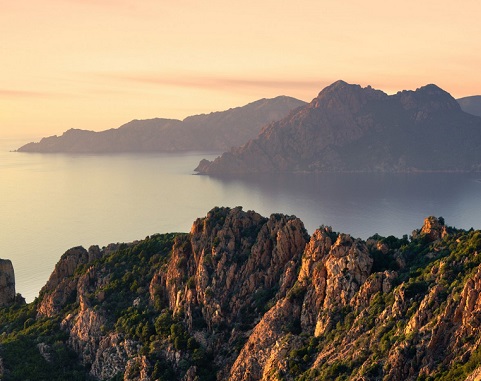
(246, 297)
(471, 104)
(204, 132)
(349, 128)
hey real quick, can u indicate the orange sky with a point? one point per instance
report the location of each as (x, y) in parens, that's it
(98, 64)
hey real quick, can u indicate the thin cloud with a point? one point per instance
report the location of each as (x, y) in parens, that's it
(101, 3)
(219, 82)
(6, 93)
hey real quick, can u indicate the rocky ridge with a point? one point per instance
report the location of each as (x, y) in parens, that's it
(349, 128)
(245, 297)
(7, 282)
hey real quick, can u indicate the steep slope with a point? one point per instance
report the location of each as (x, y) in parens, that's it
(244, 297)
(471, 104)
(214, 131)
(349, 128)
(7, 282)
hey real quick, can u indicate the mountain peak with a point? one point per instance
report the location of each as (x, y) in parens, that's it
(431, 88)
(339, 83)
(337, 86)
(428, 98)
(344, 96)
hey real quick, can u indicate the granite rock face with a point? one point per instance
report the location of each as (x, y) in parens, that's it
(218, 277)
(433, 229)
(235, 263)
(247, 297)
(7, 282)
(61, 286)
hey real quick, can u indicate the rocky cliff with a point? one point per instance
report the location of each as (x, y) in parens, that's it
(349, 128)
(216, 131)
(245, 297)
(7, 283)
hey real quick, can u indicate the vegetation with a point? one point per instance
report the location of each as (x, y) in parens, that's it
(447, 263)
(129, 270)
(424, 274)
(22, 336)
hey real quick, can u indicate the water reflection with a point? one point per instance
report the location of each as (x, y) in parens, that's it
(363, 204)
(53, 202)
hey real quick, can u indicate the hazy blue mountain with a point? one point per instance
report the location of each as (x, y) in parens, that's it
(216, 131)
(350, 128)
(471, 104)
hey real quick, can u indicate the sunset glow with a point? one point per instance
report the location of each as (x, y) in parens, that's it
(98, 64)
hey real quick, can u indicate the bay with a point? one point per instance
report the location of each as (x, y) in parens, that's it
(52, 202)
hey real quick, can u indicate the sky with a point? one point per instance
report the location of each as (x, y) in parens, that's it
(96, 65)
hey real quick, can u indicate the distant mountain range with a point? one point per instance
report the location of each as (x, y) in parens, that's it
(217, 131)
(350, 128)
(471, 105)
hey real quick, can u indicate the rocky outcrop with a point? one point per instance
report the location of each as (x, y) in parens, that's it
(216, 131)
(433, 229)
(348, 128)
(116, 355)
(236, 263)
(264, 351)
(336, 279)
(106, 354)
(221, 278)
(332, 271)
(61, 286)
(245, 297)
(7, 282)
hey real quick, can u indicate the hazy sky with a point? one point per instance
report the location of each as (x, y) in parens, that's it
(98, 64)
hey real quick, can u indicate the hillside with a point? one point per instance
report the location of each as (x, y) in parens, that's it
(471, 104)
(245, 297)
(216, 131)
(350, 128)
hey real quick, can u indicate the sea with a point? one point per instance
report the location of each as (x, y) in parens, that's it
(52, 202)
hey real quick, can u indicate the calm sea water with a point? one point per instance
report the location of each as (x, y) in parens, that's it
(50, 203)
